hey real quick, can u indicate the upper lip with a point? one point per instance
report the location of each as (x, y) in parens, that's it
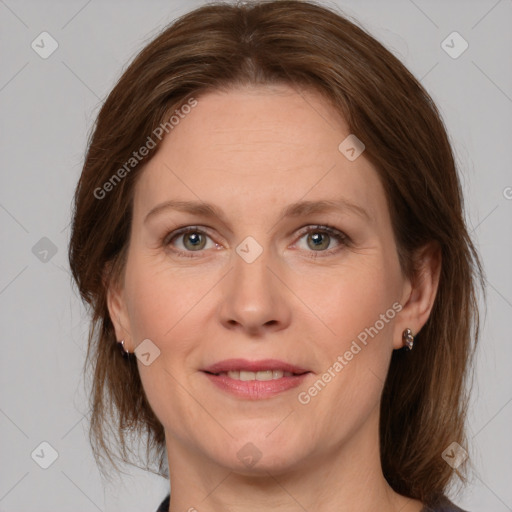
(253, 366)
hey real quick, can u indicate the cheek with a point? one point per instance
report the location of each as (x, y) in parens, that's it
(358, 309)
(158, 299)
(160, 308)
(351, 300)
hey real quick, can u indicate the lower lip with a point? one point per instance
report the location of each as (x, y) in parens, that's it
(256, 389)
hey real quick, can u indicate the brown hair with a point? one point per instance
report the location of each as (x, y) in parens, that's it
(302, 44)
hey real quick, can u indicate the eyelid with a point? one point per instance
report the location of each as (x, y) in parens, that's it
(331, 230)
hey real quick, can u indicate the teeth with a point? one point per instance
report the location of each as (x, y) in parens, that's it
(265, 375)
(261, 375)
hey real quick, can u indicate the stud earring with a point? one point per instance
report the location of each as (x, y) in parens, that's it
(408, 338)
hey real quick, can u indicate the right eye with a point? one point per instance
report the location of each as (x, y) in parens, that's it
(193, 239)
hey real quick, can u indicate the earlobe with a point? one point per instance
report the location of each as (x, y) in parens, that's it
(421, 292)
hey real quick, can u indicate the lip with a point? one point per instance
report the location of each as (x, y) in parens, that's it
(253, 366)
(254, 389)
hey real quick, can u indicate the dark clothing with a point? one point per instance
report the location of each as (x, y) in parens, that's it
(444, 506)
(164, 506)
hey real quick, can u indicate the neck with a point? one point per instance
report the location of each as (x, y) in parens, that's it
(346, 479)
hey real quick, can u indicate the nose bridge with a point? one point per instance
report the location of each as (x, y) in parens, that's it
(253, 295)
(251, 275)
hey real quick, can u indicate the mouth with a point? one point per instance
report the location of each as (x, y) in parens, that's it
(261, 375)
(255, 380)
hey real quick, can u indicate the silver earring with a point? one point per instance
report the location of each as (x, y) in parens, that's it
(408, 338)
(124, 352)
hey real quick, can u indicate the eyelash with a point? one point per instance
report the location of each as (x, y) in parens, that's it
(341, 237)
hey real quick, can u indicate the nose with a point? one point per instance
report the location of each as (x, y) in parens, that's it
(254, 296)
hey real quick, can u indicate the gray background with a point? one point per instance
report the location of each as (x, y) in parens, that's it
(47, 109)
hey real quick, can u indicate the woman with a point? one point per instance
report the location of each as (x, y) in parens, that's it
(269, 231)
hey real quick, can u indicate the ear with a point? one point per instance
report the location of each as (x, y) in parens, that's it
(419, 292)
(116, 304)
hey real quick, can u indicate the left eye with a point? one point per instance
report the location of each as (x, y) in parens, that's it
(318, 238)
(194, 239)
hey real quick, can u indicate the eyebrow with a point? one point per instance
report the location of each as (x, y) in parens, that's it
(298, 209)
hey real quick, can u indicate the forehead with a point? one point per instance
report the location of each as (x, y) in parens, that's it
(257, 146)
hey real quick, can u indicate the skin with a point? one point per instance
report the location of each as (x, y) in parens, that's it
(251, 151)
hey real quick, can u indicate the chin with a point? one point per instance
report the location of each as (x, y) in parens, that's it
(259, 453)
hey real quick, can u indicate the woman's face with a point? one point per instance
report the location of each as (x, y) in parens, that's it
(261, 285)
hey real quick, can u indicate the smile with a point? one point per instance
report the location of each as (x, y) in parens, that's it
(254, 380)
